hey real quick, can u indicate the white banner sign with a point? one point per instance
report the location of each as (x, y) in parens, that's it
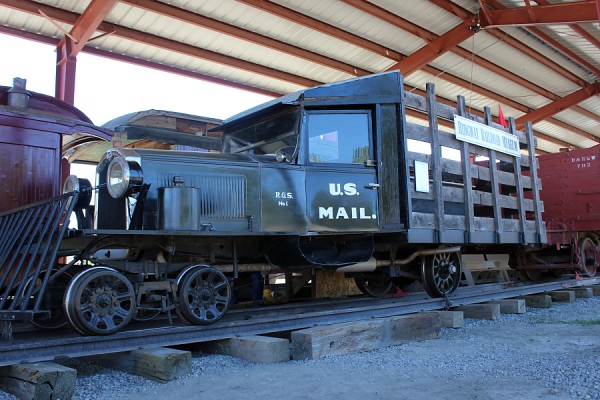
(486, 136)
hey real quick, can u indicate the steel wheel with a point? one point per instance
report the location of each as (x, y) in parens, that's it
(557, 272)
(440, 273)
(533, 274)
(373, 284)
(588, 256)
(99, 301)
(204, 294)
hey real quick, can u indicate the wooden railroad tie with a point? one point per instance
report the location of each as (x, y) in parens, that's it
(39, 381)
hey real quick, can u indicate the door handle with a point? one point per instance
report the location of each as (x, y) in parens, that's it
(372, 186)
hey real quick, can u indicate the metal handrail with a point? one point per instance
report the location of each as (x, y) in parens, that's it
(30, 238)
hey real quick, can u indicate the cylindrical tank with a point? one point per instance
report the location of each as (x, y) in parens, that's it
(178, 207)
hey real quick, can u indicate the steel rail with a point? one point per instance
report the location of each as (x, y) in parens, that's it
(50, 345)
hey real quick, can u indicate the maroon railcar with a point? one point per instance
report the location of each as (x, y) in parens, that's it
(35, 131)
(34, 128)
(571, 196)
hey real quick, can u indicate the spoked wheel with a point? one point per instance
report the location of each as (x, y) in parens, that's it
(99, 301)
(204, 294)
(533, 274)
(440, 273)
(588, 253)
(557, 272)
(52, 301)
(373, 284)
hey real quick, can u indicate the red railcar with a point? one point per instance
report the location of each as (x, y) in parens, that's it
(571, 196)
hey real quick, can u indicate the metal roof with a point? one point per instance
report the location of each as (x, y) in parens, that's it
(539, 60)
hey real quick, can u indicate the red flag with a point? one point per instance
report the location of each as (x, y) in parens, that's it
(501, 119)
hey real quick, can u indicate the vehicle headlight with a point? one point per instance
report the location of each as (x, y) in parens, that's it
(81, 185)
(122, 177)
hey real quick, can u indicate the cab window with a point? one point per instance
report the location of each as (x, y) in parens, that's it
(339, 137)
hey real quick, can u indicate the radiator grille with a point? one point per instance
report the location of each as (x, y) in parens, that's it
(221, 196)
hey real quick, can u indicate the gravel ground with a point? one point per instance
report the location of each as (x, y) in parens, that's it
(542, 354)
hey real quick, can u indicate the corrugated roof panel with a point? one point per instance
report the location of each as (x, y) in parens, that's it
(548, 147)
(591, 104)
(573, 41)
(520, 64)
(579, 120)
(469, 5)
(232, 47)
(364, 25)
(201, 66)
(77, 6)
(31, 23)
(426, 15)
(287, 32)
(127, 16)
(479, 76)
(560, 133)
(541, 47)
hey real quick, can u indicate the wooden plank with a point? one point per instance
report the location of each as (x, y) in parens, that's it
(540, 227)
(411, 328)
(565, 296)
(436, 152)
(337, 339)
(537, 300)
(494, 183)
(452, 319)
(405, 204)
(519, 186)
(39, 381)
(583, 292)
(510, 306)
(257, 349)
(159, 364)
(356, 337)
(480, 311)
(468, 179)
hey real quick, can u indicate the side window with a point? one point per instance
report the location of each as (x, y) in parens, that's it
(339, 137)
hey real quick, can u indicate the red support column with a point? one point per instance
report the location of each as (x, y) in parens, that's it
(65, 72)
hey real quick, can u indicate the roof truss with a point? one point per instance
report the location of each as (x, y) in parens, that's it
(492, 16)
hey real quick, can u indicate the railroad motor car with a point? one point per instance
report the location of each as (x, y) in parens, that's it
(341, 177)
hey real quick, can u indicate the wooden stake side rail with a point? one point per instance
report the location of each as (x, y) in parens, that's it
(475, 194)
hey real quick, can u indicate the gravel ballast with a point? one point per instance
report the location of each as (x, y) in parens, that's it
(542, 354)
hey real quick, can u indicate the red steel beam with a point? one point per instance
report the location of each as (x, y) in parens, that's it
(559, 105)
(464, 14)
(433, 50)
(467, 16)
(563, 13)
(70, 45)
(552, 42)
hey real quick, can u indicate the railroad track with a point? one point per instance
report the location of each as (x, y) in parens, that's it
(33, 346)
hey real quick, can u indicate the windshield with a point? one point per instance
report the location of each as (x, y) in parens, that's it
(265, 137)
